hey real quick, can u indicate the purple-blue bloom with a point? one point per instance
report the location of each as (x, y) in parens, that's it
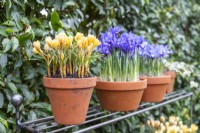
(112, 40)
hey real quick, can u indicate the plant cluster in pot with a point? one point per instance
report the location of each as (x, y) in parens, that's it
(157, 82)
(69, 84)
(119, 87)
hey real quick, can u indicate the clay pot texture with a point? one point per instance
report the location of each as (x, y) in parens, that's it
(69, 98)
(156, 88)
(120, 96)
(171, 85)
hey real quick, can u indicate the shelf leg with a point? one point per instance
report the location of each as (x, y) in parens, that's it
(16, 101)
(191, 108)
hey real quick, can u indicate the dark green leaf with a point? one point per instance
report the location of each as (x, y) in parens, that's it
(15, 43)
(1, 100)
(3, 60)
(55, 21)
(6, 44)
(12, 87)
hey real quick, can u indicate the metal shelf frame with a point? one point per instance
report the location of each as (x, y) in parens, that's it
(96, 117)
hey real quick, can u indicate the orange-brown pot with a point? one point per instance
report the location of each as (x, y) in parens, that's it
(156, 88)
(69, 98)
(120, 96)
(171, 85)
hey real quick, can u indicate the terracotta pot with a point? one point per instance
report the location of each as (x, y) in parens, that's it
(156, 88)
(69, 98)
(120, 96)
(171, 85)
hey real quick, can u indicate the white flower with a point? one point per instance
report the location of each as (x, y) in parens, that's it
(194, 84)
(44, 12)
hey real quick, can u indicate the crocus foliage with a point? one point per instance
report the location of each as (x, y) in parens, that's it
(120, 60)
(67, 56)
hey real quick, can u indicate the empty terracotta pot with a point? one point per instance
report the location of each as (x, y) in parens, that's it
(171, 85)
(69, 98)
(120, 96)
(156, 88)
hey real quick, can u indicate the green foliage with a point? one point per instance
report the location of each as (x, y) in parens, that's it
(175, 23)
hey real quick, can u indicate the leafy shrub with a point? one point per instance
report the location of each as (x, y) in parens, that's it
(175, 23)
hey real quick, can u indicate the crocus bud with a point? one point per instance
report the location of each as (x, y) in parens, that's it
(96, 42)
(78, 36)
(55, 44)
(46, 47)
(69, 41)
(35, 51)
(48, 41)
(91, 38)
(157, 124)
(162, 119)
(194, 127)
(61, 38)
(79, 43)
(37, 45)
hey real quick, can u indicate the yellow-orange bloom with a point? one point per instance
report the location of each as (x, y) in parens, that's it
(35, 51)
(96, 43)
(194, 127)
(55, 44)
(37, 45)
(61, 38)
(91, 38)
(48, 41)
(69, 40)
(46, 47)
(79, 43)
(78, 36)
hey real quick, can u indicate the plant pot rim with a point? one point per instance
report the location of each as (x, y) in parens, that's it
(69, 83)
(122, 86)
(164, 79)
(171, 72)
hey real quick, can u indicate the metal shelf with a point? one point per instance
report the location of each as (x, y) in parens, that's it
(97, 117)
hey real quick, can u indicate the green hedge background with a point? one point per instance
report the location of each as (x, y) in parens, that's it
(172, 22)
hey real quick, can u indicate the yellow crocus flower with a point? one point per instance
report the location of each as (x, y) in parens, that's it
(78, 36)
(37, 45)
(46, 47)
(55, 44)
(48, 41)
(35, 51)
(96, 43)
(68, 40)
(194, 127)
(79, 43)
(91, 38)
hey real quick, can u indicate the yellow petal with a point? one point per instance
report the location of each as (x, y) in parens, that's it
(48, 41)
(91, 38)
(55, 44)
(46, 47)
(37, 45)
(78, 36)
(35, 51)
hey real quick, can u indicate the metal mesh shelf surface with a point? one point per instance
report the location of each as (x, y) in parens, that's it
(97, 117)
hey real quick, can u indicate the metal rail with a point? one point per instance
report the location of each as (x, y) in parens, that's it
(96, 117)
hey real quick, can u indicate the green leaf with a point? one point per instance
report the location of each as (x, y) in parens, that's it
(1, 100)
(12, 87)
(6, 44)
(9, 23)
(4, 122)
(9, 30)
(3, 60)
(2, 83)
(68, 3)
(40, 2)
(2, 128)
(55, 21)
(15, 43)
